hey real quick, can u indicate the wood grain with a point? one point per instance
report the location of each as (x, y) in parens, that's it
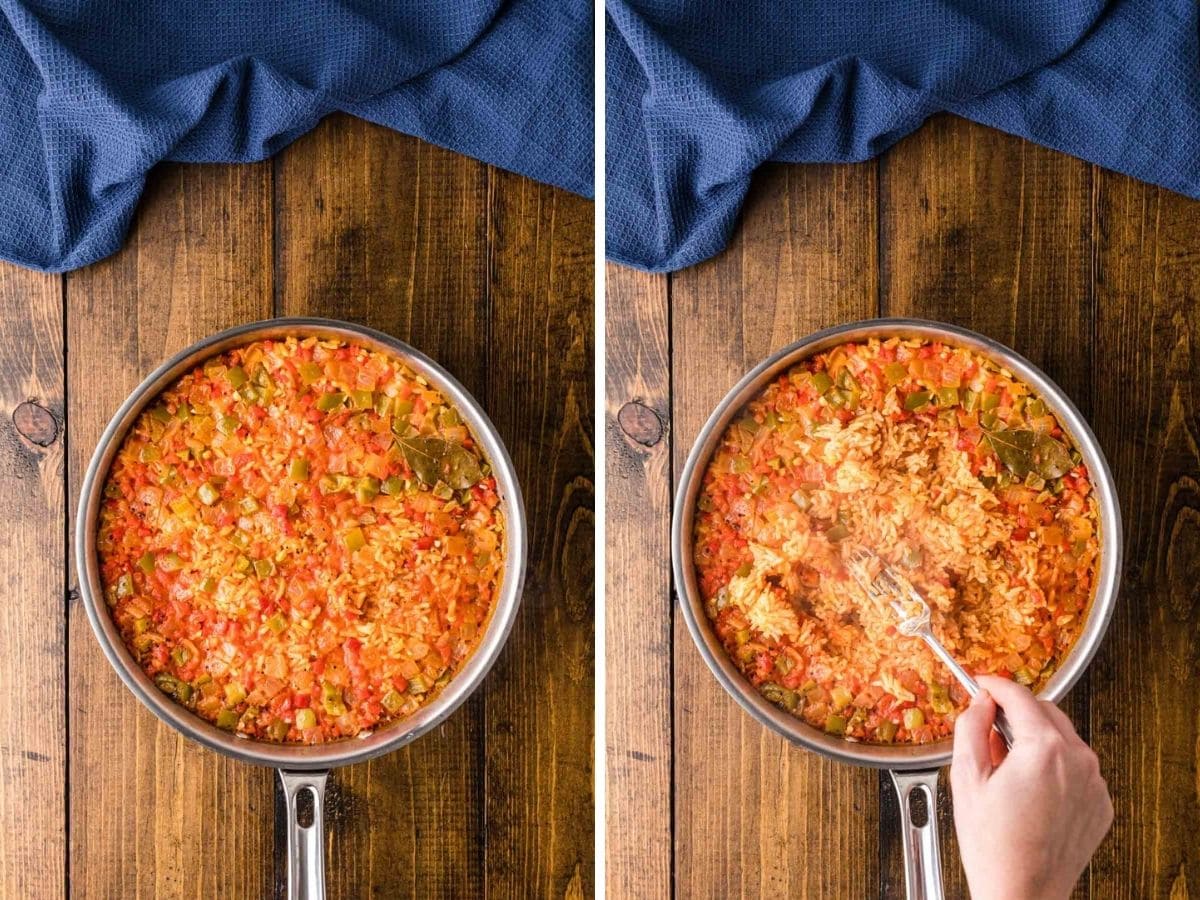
(33, 620)
(486, 272)
(990, 232)
(385, 230)
(755, 816)
(1094, 277)
(638, 587)
(540, 697)
(151, 814)
(1145, 712)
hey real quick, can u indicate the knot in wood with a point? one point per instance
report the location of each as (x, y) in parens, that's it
(35, 423)
(640, 423)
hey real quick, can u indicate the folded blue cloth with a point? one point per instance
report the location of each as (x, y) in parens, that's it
(701, 92)
(93, 94)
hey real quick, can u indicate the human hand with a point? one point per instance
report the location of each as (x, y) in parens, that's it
(1027, 820)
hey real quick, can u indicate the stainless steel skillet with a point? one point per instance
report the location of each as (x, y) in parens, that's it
(302, 769)
(913, 768)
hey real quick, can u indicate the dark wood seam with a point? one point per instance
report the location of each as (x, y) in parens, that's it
(1093, 310)
(276, 243)
(879, 241)
(66, 433)
(488, 324)
(670, 450)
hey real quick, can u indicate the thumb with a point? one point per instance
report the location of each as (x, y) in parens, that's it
(972, 740)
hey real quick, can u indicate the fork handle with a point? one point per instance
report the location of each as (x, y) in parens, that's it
(972, 686)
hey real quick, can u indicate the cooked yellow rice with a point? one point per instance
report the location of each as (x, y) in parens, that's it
(806, 476)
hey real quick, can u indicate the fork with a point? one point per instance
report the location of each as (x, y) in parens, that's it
(898, 591)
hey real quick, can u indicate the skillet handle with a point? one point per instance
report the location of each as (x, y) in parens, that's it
(305, 843)
(922, 856)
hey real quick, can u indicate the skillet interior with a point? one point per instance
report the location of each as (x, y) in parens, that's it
(901, 757)
(295, 756)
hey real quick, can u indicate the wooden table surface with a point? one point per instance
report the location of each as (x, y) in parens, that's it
(489, 273)
(1093, 276)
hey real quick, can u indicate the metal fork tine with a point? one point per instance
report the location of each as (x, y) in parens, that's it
(891, 581)
(886, 586)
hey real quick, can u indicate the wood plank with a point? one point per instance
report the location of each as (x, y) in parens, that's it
(383, 229)
(638, 587)
(32, 667)
(987, 231)
(151, 814)
(756, 816)
(540, 698)
(1144, 709)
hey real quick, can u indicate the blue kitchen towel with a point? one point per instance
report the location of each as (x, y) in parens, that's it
(701, 92)
(92, 94)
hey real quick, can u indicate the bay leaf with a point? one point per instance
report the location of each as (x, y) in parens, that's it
(1022, 451)
(1051, 457)
(462, 468)
(424, 456)
(433, 459)
(1015, 449)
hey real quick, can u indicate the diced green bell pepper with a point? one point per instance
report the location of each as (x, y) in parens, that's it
(917, 400)
(227, 719)
(330, 402)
